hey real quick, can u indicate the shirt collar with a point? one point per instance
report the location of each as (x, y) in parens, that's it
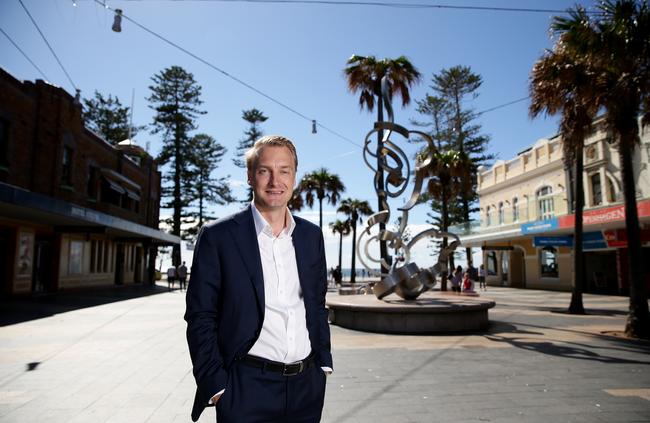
(261, 225)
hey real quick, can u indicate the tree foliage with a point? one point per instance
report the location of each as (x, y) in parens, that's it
(354, 209)
(108, 118)
(321, 185)
(175, 98)
(203, 187)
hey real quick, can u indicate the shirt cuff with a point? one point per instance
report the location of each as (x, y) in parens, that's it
(216, 396)
(327, 370)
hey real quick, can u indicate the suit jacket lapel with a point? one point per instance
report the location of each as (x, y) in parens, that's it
(245, 239)
(302, 258)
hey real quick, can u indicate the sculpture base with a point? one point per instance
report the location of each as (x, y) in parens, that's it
(432, 312)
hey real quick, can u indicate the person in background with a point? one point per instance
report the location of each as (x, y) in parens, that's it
(456, 279)
(481, 278)
(182, 276)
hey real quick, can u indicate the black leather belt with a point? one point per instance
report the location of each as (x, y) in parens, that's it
(290, 369)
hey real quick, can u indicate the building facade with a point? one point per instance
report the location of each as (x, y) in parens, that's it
(75, 211)
(527, 220)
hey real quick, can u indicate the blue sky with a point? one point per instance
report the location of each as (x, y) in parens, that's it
(296, 54)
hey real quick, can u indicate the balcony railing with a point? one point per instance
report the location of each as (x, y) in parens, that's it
(506, 217)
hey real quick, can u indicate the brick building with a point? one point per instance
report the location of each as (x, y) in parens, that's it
(75, 211)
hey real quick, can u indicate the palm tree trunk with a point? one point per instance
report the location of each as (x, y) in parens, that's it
(379, 176)
(320, 212)
(353, 269)
(576, 306)
(445, 243)
(638, 321)
(340, 250)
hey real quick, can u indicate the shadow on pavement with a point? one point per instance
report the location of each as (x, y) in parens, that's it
(18, 310)
(499, 331)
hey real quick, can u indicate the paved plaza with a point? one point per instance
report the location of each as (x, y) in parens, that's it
(119, 356)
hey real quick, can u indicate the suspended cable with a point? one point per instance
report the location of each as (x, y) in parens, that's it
(223, 72)
(48, 45)
(491, 109)
(380, 4)
(24, 54)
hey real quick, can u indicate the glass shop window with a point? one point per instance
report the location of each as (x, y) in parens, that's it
(548, 262)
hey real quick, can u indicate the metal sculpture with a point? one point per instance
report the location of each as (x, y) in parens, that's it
(404, 278)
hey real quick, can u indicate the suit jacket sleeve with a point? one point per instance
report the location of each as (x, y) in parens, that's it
(202, 302)
(325, 355)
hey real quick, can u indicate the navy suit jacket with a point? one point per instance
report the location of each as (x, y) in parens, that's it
(225, 298)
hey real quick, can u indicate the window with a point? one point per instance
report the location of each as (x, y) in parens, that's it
(488, 220)
(612, 191)
(100, 257)
(93, 255)
(4, 142)
(106, 258)
(548, 262)
(544, 203)
(93, 180)
(76, 256)
(66, 165)
(501, 214)
(596, 190)
(515, 209)
(491, 263)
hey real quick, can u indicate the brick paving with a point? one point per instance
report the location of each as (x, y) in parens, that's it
(119, 355)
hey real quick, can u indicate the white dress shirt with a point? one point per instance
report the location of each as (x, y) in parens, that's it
(284, 336)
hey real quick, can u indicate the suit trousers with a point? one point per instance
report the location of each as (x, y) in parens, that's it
(255, 395)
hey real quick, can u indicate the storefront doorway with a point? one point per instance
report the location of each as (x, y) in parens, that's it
(601, 273)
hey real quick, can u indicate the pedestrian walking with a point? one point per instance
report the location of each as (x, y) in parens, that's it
(182, 276)
(171, 277)
(481, 278)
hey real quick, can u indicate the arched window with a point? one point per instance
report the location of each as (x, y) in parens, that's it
(501, 214)
(515, 209)
(545, 208)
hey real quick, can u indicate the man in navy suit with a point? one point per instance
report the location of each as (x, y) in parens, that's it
(257, 325)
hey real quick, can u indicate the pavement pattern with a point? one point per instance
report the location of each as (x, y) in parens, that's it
(119, 356)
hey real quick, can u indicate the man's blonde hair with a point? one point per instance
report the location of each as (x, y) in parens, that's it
(269, 141)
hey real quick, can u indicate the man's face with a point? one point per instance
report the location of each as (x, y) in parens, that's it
(273, 178)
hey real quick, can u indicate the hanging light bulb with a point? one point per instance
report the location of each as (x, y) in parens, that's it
(74, 3)
(313, 126)
(117, 21)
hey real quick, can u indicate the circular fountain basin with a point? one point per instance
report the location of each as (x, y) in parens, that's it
(431, 312)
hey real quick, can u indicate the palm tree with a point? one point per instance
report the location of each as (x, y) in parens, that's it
(617, 45)
(560, 84)
(341, 227)
(354, 209)
(296, 203)
(364, 75)
(447, 173)
(321, 184)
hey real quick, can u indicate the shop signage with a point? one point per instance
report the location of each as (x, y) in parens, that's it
(553, 241)
(539, 226)
(618, 237)
(604, 215)
(593, 241)
(497, 248)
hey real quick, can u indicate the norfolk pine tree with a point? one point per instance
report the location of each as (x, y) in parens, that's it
(175, 97)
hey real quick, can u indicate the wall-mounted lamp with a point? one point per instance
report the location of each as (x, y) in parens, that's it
(117, 21)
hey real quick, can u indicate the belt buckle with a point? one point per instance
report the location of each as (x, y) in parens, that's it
(285, 371)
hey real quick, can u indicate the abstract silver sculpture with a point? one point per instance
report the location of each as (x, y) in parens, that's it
(404, 278)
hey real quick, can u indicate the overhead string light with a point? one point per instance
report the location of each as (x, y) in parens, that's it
(314, 123)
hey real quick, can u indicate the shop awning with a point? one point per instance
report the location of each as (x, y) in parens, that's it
(23, 205)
